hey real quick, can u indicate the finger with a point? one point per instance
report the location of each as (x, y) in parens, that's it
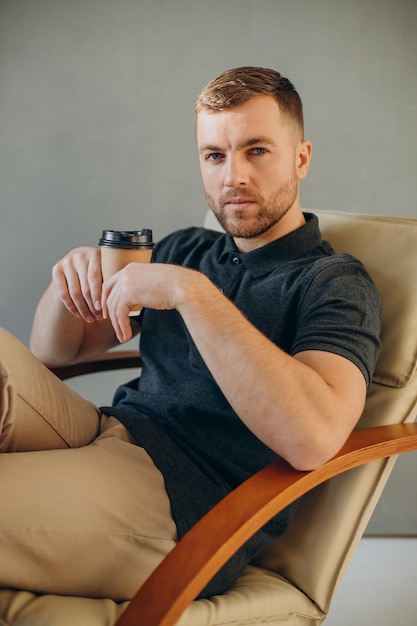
(95, 281)
(62, 289)
(81, 297)
(119, 316)
(116, 309)
(106, 289)
(84, 280)
(125, 326)
(72, 286)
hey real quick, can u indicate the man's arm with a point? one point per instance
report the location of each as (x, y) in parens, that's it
(68, 324)
(302, 407)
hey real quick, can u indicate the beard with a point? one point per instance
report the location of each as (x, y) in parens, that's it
(248, 224)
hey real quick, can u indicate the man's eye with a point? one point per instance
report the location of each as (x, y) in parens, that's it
(214, 156)
(259, 150)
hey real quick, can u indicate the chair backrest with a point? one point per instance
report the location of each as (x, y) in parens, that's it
(330, 520)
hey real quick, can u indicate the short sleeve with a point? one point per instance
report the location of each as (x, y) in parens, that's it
(340, 312)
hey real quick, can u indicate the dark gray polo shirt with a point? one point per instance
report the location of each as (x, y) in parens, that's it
(299, 294)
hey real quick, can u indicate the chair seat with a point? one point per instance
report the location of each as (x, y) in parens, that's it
(259, 597)
(23, 608)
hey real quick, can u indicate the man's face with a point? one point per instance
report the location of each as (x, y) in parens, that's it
(251, 165)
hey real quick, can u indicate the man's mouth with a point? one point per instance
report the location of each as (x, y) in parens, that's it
(238, 204)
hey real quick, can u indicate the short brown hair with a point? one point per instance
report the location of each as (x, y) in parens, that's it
(237, 86)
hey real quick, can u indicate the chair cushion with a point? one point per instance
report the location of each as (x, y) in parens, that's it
(22, 608)
(259, 597)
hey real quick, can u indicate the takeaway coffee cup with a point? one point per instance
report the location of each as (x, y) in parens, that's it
(120, 247)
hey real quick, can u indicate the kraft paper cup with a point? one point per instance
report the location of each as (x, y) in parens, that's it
(119, 248)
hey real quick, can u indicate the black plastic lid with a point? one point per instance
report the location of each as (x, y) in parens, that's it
(128, 239)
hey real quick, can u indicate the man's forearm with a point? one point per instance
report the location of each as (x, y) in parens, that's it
(61, 338)
(56, 334)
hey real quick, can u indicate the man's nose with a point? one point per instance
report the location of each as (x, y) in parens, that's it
(236, 171)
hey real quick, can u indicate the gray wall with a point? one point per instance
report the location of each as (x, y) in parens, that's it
(96, 117)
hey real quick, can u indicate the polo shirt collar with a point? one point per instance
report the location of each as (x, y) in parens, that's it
(267, 258)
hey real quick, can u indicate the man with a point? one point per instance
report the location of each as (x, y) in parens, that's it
(256, 343)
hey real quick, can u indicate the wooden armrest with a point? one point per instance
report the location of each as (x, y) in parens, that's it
(222, 531)
(119, 359)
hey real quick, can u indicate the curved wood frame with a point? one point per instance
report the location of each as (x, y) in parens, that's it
(121, 359)
(224, 529)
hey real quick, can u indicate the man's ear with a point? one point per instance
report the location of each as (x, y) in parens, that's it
(304, 150)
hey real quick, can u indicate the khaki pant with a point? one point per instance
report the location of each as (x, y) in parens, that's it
(83, 509)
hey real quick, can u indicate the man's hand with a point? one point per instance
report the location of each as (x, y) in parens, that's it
(68, 326)
(78, 282)
(151, 285)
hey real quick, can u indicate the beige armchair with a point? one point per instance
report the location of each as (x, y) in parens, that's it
(293, 581)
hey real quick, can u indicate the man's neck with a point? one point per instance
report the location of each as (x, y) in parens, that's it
(290, 221)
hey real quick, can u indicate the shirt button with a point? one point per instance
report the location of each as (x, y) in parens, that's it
(236, 260)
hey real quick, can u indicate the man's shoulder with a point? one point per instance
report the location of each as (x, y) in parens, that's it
(340, 273)
(337, 263)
